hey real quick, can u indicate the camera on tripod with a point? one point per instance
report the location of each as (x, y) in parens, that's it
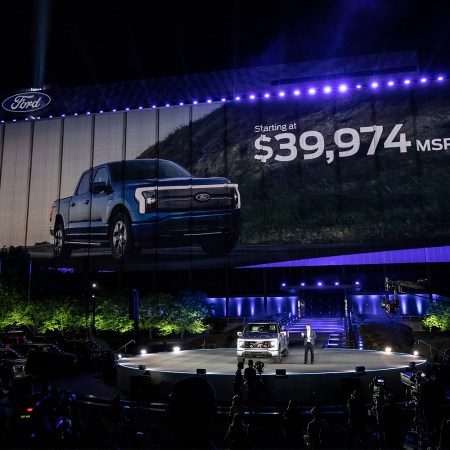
(259, 367)
(378, 387)
(414, 382)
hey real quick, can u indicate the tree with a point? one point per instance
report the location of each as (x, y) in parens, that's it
(60, 314)
(112, 313)
(152, 311)
(187, 313)
(438, 316)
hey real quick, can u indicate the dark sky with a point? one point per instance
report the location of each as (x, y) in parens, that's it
(69, 43)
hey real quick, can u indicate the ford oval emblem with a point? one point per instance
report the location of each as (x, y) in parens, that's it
(26, 102)
(202, 197)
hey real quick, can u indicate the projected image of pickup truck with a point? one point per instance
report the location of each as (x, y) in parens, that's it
(146, 203)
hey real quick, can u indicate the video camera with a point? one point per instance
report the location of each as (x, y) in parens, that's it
(378, 387)
(259, 367)
(413, 382)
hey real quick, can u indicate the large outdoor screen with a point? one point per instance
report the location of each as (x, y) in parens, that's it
(269, 180)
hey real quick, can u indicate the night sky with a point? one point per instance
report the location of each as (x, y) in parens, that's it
(60, 43)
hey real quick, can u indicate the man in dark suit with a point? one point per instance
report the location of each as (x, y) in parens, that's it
(309, 337)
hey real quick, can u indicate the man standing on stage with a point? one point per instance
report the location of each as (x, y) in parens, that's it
(309, 336)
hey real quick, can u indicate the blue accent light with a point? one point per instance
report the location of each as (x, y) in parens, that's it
(266, 95)
(311, 91)
(336, 283)
(302, 283)
(407, 81)
(343, 88)
(327, 89)
(223, 99)
(252, 97)
(209, 100)
(374, 85)
(440, 78)
(297, 92)
(195, 102)
(237, 98)
(281, 94)
(358, 86)
(390, 83)
(423, 80)
(181, 103)
(319, 283)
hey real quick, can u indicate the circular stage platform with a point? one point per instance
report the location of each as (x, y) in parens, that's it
(330, 380)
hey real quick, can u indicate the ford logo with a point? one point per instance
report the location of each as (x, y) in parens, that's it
(26, 102)
(202, 197)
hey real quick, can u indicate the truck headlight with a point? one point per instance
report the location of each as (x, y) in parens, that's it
(147, 199)
(273, 343)
(240, 343)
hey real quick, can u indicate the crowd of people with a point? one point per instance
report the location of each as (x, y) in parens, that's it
(50, 418)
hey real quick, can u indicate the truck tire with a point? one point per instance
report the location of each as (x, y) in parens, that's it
(120, 238)
(61, 250)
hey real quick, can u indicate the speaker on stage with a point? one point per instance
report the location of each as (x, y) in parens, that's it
(280, 373)
(201, 371)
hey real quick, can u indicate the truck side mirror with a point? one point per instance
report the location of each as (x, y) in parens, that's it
(239, 333)
(99, 187)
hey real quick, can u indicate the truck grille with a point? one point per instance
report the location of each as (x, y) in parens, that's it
(256, 344)
(185, 199)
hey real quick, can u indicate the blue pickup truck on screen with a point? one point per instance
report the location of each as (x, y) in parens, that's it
(146, 203)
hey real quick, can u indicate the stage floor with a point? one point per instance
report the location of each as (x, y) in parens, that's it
(326, 374)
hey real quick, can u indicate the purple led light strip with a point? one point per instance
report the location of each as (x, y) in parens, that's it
(408, 256)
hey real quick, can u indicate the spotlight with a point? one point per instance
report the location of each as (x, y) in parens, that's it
(143, 351)
(388, 349)
(360, 370)
(176, 349)
(119, 356)
(416, 353)
(201, 372)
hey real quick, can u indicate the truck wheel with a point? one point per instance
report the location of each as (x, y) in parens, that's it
(219, 245)
(120, 238)
(61, 249)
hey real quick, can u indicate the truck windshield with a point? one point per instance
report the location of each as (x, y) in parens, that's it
(261, 328)
(144, 169)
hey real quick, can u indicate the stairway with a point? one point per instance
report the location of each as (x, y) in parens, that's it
(330, 329)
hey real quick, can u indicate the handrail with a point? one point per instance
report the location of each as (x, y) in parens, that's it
(430, 347)
(125, 345)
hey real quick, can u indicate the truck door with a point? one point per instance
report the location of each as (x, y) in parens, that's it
(79, 209)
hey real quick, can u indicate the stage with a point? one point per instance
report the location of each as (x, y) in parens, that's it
(329, 380)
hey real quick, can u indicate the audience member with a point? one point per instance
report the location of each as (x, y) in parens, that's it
(237, 407)
(357, 419)
(317, 431)
(391, 424)
(291, 424)
(238, 382)
(237, 434)
(191, 412)
(251, 382)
